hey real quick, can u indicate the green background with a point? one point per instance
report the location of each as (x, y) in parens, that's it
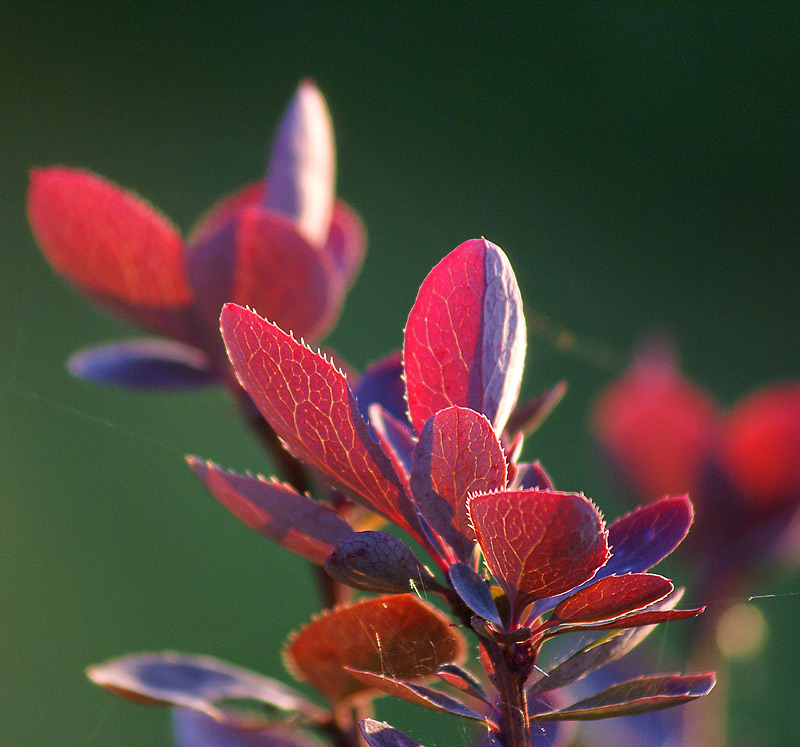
(637, 162)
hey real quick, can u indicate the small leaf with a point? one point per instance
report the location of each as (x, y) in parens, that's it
(225, 209)
(531, 476)
(398, 635)
(474, 592)
(302, 165)
(346, 245)
(147, 364)
(309, 405)
(611, 597)
(462, 679)
(194, 729)
(106, 240)
(457, 454)
(380, 734)
(395, 439)
(378, 562)
(648, 617)
(421, 695)
(538, 543)
(465, 336)
(599, 653)
(195, 682)
(526, 418)
(647, 535)
(276, 510)
(382, 383)
(635, 696)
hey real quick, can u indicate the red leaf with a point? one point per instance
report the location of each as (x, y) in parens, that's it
(277, 511)
(106, 240)
(302, 165)
(611, 597)
(346, 244)
(227, 208)
(465, 336)
(648, 617)
(399, 635)
(538, 543)
(635, 696)
(310, 406)
(457, 454)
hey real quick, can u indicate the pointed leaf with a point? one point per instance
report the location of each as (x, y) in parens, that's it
(106, 240)
(462, 679)
(398, 635)
(474, 592)
(346, 245)
(531, 476)
(378, 562)
(194, 729)
(382, 382)
(457, 454)
(647, 535)
(276, 510)
(421, 695)
(380, 734)
(302, 165)
(611, 597)
(465, 336)
(196, 682)
(309, 404)
(648, 617)
(635, 696)
(538, 543)
(526, 418)
(396, 440)
(601, 652)
(227, 208)
(143, 364)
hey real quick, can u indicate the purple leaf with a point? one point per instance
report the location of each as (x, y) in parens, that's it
(465, 336)
(457, 454)
(194, 729)
(302, 165)
(143, 364)
(378, 562)
(395, 438)
(474, 592)
(635, 696)
(276, 510)
(531, 476)
(526, 418)
(195, 682)
(382, 383)
(538, 543)
(462, 679)
(380, 734)
(421, 695)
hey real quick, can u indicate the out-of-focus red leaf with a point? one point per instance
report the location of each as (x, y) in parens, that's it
(276, 510)
(611, 597)
(147, 364)
(457, 454)
(656, 425)
(346, 244)
(759, 447)
(635, 696)
(399, 636)
(281, 275)
(538, 543)
(309, 404)
(194, 729)
(380, 734)
(302, 165)
(195, 682)
(378, 562)
(106, 240)
(227, 208)
(645, 536)
(465, 336)
(420, 695)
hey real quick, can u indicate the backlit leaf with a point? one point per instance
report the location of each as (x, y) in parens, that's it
(395, 439)
(143, 364)
(465, 336)
(611, 597)
(382, 382)
(462, 679)
(195, 682)
(646, 617)
(635, 696)
(380, 734)
(106, 240)
(378, 562)
(276, 510)
(346, 245)
(421, 695)
(531, 476)
(457, 454)
(399, 635)
(474, 592)
(538, 543)
(306, 399)
(527, 417)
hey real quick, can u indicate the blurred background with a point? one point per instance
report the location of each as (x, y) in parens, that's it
(637, 162)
